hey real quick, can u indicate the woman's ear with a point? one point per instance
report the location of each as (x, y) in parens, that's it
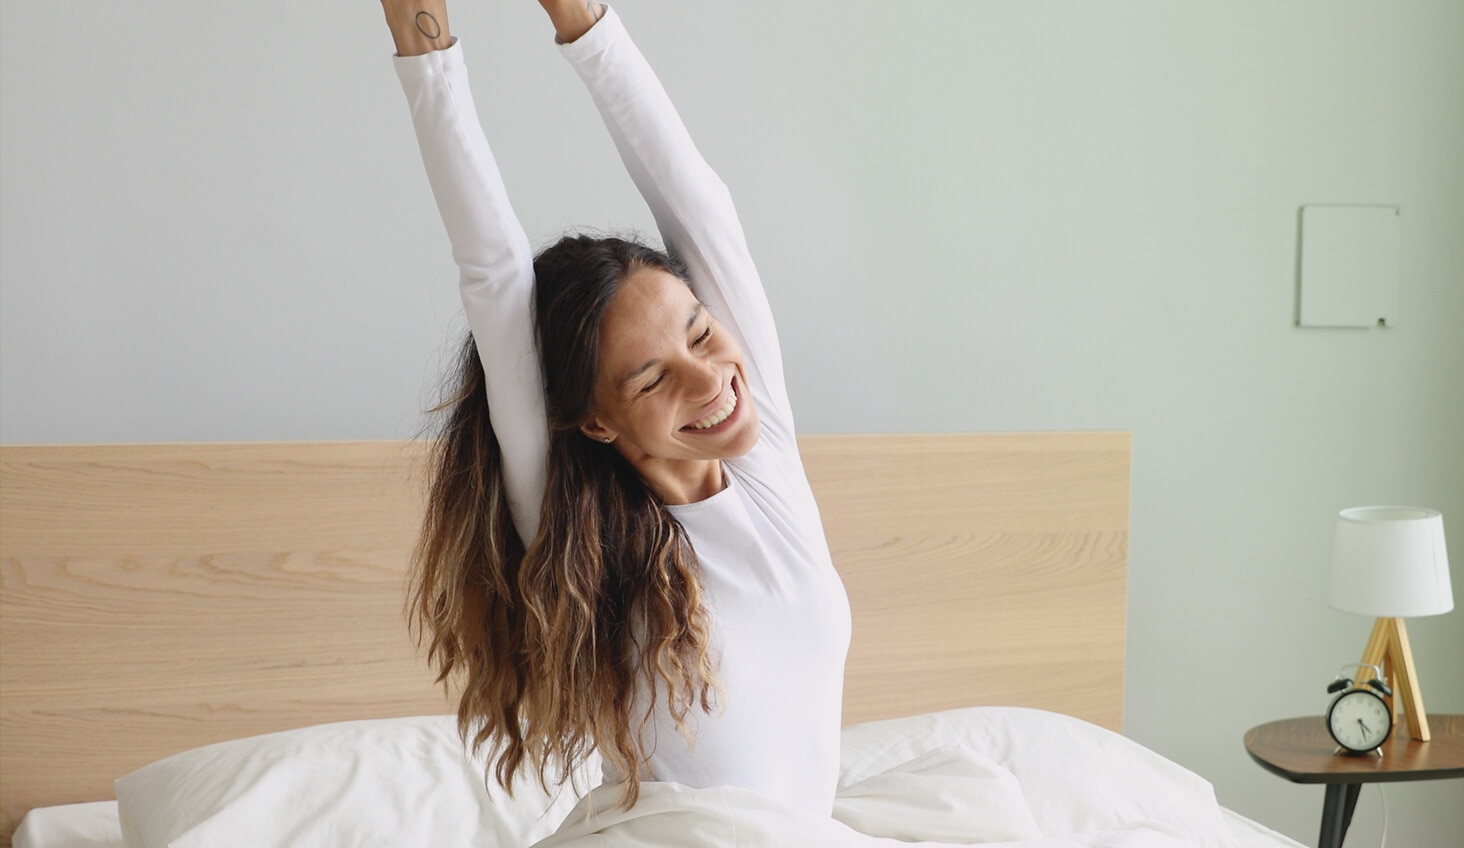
(597, 431)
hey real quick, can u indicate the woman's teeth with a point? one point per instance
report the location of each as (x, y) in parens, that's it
(719, 416)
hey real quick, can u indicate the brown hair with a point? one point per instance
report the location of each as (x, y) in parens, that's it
(563, 645)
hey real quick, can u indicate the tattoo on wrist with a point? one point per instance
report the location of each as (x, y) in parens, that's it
(427, 25)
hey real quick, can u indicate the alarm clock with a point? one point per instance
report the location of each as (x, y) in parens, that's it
(1358, 718)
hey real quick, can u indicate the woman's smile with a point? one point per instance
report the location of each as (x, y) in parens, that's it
(723, 417)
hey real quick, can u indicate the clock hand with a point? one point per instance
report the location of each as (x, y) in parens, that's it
(1363, 726)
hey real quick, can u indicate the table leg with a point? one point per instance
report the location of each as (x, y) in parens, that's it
(1337, 813)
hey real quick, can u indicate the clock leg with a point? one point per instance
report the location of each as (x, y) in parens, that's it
(1337, 813)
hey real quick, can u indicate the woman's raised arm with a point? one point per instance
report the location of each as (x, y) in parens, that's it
(489, 245)
(691, 205)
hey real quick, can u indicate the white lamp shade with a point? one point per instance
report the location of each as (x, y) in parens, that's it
(1390, 562)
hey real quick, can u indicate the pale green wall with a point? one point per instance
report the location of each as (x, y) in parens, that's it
(970, 216)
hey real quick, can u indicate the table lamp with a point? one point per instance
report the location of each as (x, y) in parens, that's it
(1390, 562)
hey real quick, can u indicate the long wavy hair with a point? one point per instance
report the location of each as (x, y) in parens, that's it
(563, 644)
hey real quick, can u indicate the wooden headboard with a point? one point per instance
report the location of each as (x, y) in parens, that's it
(155, 598)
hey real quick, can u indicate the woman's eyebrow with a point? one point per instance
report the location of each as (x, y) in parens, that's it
(651, 363)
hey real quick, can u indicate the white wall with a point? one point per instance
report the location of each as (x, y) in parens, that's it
(970, 216)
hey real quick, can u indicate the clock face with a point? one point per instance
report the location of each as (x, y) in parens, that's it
(1359, 720)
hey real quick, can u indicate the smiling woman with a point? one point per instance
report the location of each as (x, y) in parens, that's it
(621, 553)
(633, 359)
(676, 414)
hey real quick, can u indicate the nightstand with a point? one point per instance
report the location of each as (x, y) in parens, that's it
(1301, 750)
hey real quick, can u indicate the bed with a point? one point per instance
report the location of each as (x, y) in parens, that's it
(220, 627)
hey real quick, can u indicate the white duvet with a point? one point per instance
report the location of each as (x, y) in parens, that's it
(671, 815)
(982, 775)
(1004, 776)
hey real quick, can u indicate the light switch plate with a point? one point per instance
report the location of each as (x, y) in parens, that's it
(1349, 266)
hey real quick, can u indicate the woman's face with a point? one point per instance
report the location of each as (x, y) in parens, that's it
(671, 386)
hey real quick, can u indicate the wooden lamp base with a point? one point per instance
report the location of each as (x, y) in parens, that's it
(1388, 649)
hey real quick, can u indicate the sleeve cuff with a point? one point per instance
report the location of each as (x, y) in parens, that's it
(435, 63)
(602, 36)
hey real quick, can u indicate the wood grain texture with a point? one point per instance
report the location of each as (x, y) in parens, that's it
(154, 598)
(981, 569)
(1302, 751)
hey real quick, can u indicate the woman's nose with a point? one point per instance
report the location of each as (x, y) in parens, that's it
(705, 381)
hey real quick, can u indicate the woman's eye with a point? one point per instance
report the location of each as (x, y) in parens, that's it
(702, 339)
(653, 384)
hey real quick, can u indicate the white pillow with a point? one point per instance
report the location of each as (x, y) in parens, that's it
(1076, 777)
(87, 825)
(395, 782)
(387, 782)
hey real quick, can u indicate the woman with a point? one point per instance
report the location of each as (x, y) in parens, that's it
(621, 551)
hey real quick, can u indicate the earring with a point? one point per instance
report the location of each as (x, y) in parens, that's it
(607, 440)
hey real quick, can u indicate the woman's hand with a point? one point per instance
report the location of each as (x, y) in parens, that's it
(572, 18)
(417, 26)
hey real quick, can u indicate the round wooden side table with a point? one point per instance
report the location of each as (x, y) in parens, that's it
(1301, 750)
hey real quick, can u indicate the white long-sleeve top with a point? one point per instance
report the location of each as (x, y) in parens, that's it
(779, 613)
